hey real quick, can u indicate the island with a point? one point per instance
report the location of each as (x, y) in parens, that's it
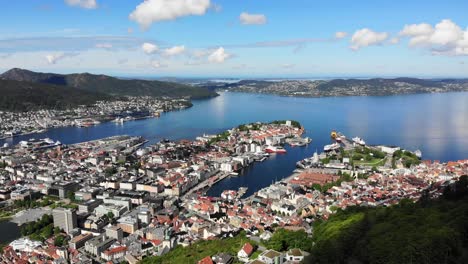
(342, 87)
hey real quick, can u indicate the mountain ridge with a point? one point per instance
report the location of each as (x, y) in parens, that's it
(109, 85)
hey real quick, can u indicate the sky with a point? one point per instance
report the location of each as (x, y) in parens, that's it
(237, 38)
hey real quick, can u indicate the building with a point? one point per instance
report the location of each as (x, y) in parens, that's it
(114, 253)
(223, 258)
(295, 255)
(64, 219)
(128, 224)
(98, 244)
(63, 189)
(246, 251)
(79, 241)
(114, 232)
(89, 206)
(271, 257)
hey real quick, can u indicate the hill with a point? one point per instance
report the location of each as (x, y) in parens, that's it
(27, 96)
(110, 85)
(429, 231)
(345, 87)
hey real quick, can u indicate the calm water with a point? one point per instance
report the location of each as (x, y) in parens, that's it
(437, 124)
(8, 231)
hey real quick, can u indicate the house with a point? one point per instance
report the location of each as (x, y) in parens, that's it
(206, 260)
(271, 257)
(222, 258)
(295, 255)
(246, 251)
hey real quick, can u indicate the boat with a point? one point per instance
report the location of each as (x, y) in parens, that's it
(359, 141)
(331, 147)
(118, 120)
(275, 149)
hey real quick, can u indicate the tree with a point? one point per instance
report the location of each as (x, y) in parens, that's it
(110, 215)
(71, 195)
(59, 240)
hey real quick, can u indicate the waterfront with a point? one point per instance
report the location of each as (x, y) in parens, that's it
(9, 230)
(437, 124)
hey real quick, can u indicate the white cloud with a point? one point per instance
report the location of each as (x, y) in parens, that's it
(151, 11)
(157, 64)
(54, 58)
(104, 45)
(173, 51)
(445, 38)
(252, 19)
(366, 37)
(149, 48)
(88, 4)
(340, 34)
(218, 56)
(394, 40)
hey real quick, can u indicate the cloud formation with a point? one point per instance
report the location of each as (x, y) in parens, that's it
(445, 38)
(151, 11)
(54, 58)
(219, 56)
(252, 19)
(88, 4)
(173, 51)
(366, 37)
(157, 64)
(341, 34)
(149, 48)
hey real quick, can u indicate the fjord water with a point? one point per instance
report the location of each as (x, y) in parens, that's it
(437, 124)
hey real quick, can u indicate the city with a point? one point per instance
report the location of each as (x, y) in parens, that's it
(115, 199)
(233, 132)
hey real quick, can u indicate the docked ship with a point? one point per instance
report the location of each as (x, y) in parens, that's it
(359, 141)
(331, 147)
(275, 149)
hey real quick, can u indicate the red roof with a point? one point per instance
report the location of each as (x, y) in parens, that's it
(206, 260)
(115, 250)
(247, 248)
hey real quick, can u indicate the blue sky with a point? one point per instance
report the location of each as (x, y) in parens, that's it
(237, 38)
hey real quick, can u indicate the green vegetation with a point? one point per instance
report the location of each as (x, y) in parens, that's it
(39, 230)
(428, 231)
(220, 137)
(283, 240)
(201, 249)
(59, 240)
(109, 85)
(26, 96)
(293, 123)
(407, 158)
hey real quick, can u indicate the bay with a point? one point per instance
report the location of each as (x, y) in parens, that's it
(437, 124)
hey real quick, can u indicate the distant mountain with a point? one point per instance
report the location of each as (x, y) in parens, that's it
(345, 87)
(110, 85)
(27, 96)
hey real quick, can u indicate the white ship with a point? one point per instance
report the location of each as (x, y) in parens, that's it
(331, 147)
(359, 141)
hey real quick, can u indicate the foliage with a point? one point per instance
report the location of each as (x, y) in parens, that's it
(39, 230)
(283, 240)
(109, 85)
(201, 249)
(25, 96)
(407, 158)
(294, 123)
(59, 240)
(428, 231)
